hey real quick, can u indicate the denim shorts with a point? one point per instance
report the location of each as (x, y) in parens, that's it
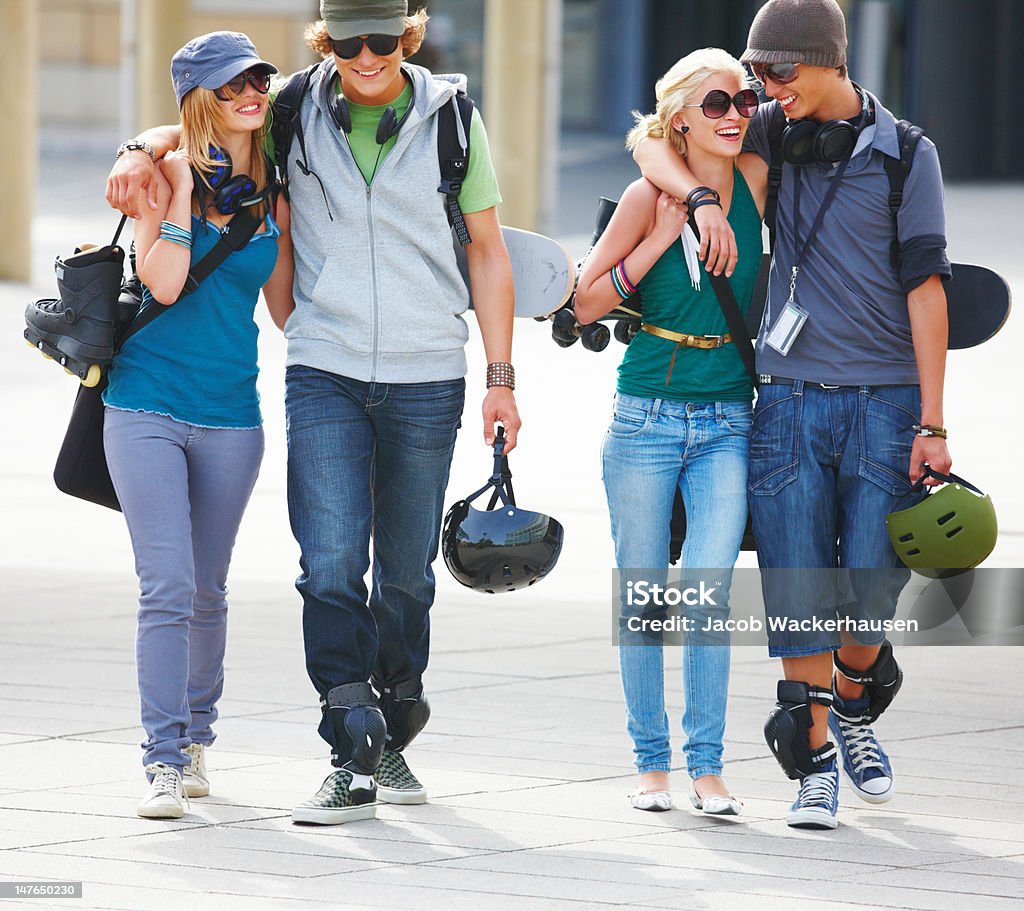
(826, 466)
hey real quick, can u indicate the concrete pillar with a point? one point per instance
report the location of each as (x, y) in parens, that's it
(18, 71)
(161, 28)
(522, 76)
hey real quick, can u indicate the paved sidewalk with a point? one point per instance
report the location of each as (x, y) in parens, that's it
(526, 757)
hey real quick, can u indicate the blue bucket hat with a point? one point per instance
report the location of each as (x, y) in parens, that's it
(212, 60)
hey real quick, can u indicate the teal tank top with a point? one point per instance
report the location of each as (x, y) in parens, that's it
(196, 363)
(671, 302)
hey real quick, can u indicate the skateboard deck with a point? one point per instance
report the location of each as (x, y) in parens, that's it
(543, 273)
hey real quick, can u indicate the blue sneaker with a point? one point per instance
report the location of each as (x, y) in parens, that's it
(817, 802)
(864, 760)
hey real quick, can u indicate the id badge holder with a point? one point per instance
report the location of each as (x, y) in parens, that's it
(787, 327)
(789, 324)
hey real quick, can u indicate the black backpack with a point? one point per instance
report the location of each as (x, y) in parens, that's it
(452, 157)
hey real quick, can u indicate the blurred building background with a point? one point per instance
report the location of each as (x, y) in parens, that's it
(945, 64)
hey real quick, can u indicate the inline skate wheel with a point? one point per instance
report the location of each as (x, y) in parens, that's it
(92, 375)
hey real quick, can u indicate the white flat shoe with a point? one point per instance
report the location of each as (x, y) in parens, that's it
(655, 801)
(716, 804)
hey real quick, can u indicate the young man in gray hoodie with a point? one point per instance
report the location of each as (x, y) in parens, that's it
(375, 379)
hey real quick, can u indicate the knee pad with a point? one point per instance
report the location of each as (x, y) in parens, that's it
(359, 728)
(788, 728)
(881, 682)
(406, 710)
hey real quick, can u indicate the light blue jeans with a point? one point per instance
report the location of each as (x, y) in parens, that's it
(653, 446)
(183, 490)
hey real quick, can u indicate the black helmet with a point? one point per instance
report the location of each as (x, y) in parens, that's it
(499, 550)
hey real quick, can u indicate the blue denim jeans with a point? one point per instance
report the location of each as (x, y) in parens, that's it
(826, 467)
(367, 461)
(652, 447)
(183, 490)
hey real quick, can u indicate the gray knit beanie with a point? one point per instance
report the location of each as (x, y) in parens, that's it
(798, 31)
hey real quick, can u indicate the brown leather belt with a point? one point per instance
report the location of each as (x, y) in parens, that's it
(689, 341)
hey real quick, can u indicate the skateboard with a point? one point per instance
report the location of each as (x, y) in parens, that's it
(543, 273)
(978, 301)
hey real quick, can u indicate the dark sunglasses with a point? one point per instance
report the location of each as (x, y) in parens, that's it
(258, 79)
(717, 102)
(781, 73)
(381, 45)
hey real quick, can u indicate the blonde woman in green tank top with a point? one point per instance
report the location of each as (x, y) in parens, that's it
(682, 409)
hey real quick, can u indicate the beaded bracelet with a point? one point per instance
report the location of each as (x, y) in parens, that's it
(623, 285)
(931, 430)
(501, 374)
(176, 234)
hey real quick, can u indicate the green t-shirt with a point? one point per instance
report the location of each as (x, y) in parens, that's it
(480, 186)
(671, 302)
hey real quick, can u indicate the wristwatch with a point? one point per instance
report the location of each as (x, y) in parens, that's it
(133, 145)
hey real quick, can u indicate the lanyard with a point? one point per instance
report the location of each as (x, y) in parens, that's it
(825, 203)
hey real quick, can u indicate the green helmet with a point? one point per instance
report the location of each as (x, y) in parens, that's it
(951, 530)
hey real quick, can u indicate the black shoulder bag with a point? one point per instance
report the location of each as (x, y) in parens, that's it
(81, 468)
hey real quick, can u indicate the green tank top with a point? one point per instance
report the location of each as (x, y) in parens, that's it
(671, 302)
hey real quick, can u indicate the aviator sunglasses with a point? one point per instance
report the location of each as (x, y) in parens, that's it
(781, 73)
(258, 79)
(717, 102)
(380, 45)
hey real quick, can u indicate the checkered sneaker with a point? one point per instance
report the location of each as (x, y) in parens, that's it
(337, 802)
(396, 783)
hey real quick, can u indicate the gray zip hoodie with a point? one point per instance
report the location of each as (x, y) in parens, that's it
(378, 294)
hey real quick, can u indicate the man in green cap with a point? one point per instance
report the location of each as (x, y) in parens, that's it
(851, 357)
(375, 380)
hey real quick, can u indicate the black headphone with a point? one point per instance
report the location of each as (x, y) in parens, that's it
(228, 190)
(806, 141)
(388, 126)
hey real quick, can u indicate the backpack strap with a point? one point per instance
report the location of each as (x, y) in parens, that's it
(453, 129)
(776, 128)
(287, 125)
(897, 169)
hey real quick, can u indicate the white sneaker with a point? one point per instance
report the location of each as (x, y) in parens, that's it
(194, 777)
(166, 798)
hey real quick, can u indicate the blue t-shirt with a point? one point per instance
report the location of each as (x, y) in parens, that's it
(197, 362)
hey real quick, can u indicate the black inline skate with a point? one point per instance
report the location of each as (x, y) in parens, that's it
(77, 330)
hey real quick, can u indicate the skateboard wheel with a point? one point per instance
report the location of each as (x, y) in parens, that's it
(624, 331)
(92, 375)
(595, 337)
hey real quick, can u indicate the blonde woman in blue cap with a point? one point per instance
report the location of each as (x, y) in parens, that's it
(183, 433)
(376, 386)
